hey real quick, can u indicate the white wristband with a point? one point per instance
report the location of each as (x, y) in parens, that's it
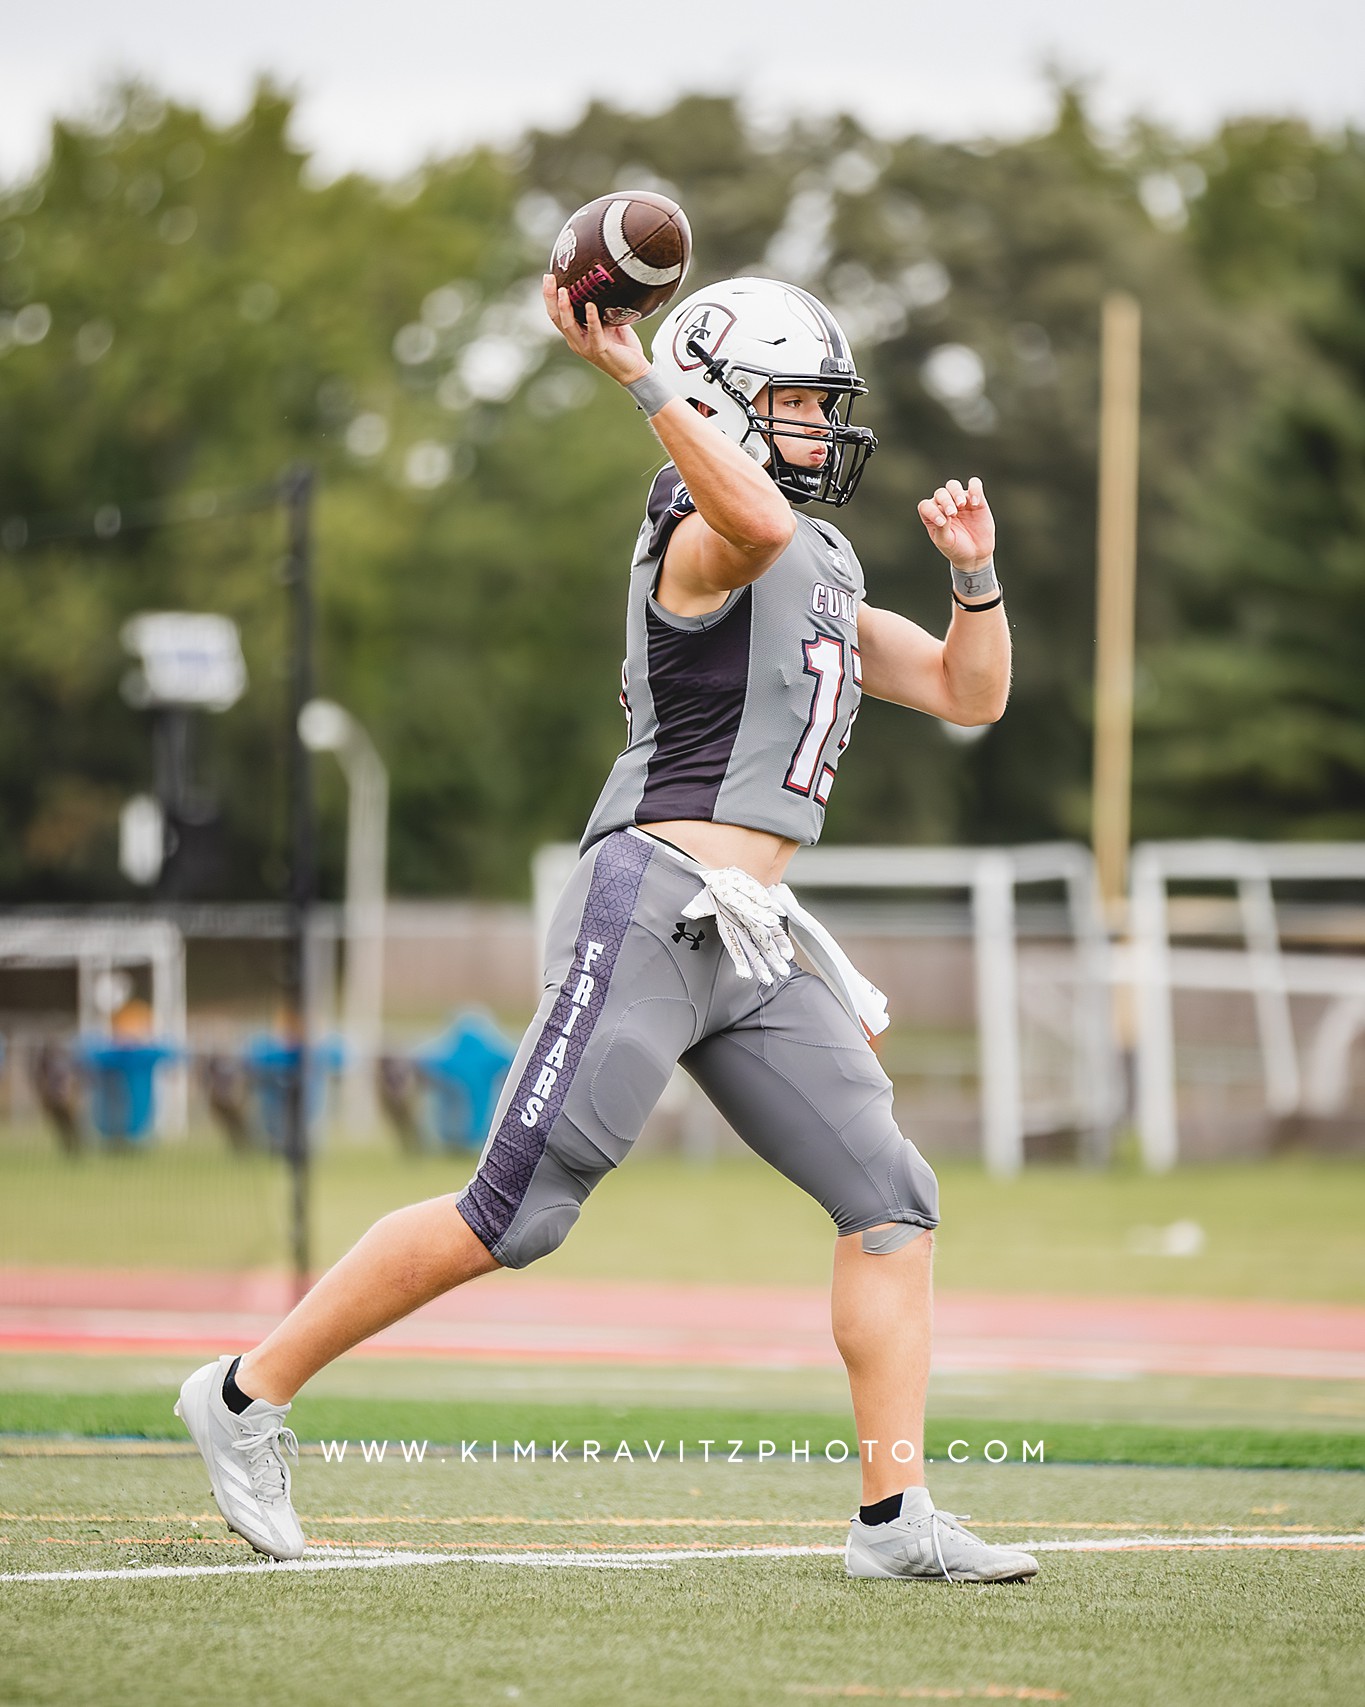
(650, 392)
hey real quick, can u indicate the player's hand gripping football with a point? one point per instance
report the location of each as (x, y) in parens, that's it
(614, 349)
(960, 523)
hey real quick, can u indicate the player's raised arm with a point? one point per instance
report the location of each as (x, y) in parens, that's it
(964, 678)
(743, 523)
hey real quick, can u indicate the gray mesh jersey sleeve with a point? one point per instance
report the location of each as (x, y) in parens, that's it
(740, 716)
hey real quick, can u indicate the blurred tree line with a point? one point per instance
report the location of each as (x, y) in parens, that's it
(184, 310)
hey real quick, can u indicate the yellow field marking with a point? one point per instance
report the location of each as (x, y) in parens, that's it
(19, 1448)
(106, 1517)
(604, 1522)
(926, 1692)
(1346, 1544)
(234, 1541)
(985, 1692)
(375, 1546)
(125, 1541)
(408, 1521)
(1143, 1528)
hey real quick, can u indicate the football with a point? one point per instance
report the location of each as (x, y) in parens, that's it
(627, 252)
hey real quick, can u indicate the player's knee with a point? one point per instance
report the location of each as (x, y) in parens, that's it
(908, 1206)
(536, 1234)
(915, 1185)
(886, 1240)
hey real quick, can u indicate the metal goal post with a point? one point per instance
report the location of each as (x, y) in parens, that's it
(96, 947)
(1261, 968)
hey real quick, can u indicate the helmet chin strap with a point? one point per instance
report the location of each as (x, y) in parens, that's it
(798, 483)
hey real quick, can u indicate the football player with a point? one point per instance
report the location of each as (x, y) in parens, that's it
(748, 647)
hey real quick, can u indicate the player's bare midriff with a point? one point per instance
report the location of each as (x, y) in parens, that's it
(759, 852)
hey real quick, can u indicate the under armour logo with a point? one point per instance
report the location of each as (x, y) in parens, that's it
(682, 934)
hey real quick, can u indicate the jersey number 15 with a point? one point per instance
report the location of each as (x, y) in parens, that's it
(825, 661)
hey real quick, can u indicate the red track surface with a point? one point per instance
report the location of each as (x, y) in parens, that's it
(526, 1317)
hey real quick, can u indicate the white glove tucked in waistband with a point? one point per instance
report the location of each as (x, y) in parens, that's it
(749, 922)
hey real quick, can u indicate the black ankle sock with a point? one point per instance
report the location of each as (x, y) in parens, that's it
(233, 1396)
(883, 1511)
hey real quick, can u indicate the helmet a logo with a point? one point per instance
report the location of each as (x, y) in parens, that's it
(708, 325)
(566, 247)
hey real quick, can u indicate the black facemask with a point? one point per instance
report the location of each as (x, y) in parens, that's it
(836, 480)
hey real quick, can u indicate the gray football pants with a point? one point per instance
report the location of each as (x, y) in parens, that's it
(631, 989)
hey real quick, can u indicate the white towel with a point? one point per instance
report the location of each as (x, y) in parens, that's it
(859, 995)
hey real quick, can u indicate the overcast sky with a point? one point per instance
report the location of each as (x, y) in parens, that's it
(382, 86)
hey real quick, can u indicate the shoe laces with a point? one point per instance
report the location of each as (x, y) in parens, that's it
(937, 1519)
(264, 1450)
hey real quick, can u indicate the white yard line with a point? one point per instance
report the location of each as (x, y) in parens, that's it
(1169, 1544)
(332, 1561)
(335, 1559)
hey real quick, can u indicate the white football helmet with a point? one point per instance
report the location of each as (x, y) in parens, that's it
(721, 347)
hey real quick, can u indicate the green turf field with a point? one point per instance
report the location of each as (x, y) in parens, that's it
(638, 1618)
(617, 1604)
(1291, 1230)
(1208, 1421)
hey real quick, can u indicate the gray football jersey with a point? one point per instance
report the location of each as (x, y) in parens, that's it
(740, 716)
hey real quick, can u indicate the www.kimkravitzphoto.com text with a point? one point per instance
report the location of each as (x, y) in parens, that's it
(703, 1451)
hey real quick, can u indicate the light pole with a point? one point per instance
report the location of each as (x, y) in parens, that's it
(326, 727)
(190, 661)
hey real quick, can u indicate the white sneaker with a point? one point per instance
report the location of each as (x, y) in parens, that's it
(925, 1542)
(245, 1458)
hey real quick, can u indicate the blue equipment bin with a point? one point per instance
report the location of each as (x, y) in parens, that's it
(122, 1076)
(464, 1070)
